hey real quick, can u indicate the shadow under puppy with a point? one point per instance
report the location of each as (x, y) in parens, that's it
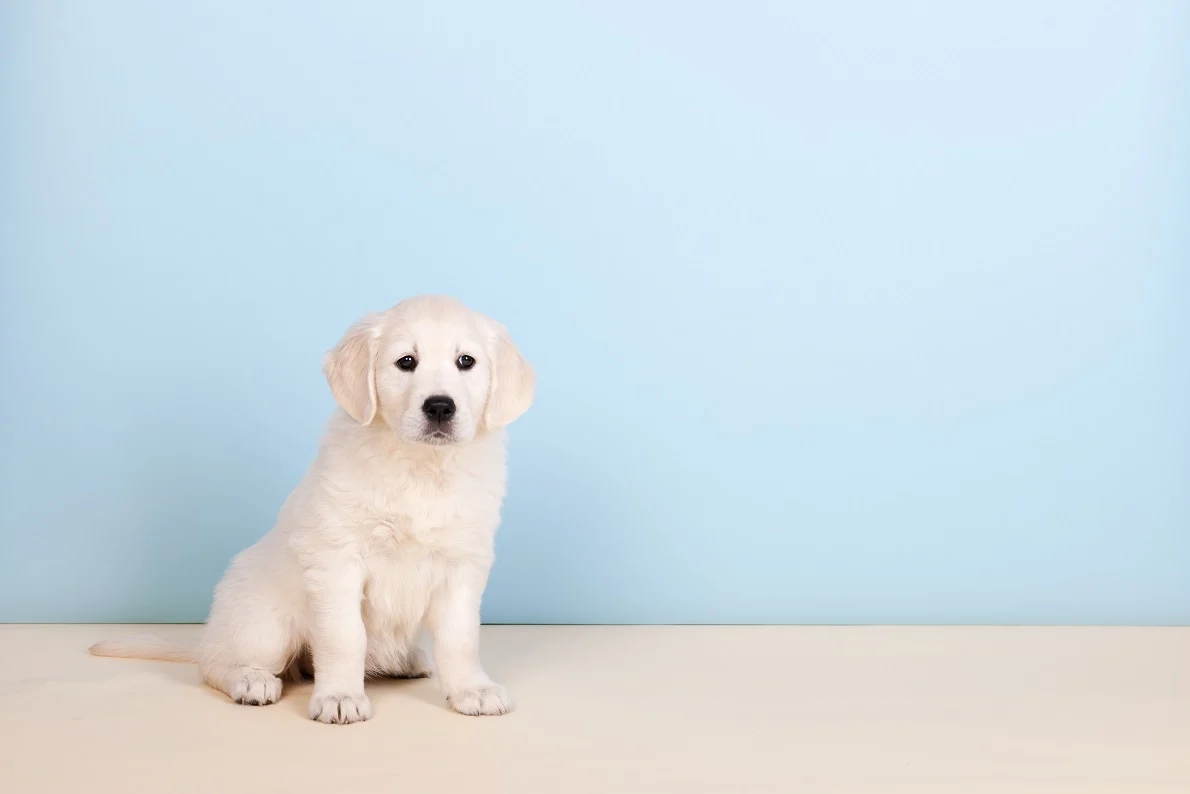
(390, 531)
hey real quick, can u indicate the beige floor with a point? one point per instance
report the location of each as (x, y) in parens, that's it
(604, 709)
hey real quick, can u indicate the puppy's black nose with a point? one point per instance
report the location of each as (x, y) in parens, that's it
(439, 407)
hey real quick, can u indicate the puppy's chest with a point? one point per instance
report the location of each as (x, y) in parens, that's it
(400, 585)
(425, 531)
(443, 511)
(441, 521)
(409, 555)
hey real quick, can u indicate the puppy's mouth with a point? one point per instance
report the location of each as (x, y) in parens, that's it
(437, 436)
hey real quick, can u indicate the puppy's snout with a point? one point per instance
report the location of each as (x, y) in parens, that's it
(438, 408)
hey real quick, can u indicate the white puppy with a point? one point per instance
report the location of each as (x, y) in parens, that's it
(390, 530)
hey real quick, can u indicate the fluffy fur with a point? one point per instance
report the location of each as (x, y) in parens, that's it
(390, 531)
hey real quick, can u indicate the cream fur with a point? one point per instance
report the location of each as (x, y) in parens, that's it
(390, 531)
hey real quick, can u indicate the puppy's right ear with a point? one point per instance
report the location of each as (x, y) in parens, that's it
(350, 369)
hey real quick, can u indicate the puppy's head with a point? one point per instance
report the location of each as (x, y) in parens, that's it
(431, 370)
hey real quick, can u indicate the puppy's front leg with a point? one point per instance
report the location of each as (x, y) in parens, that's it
(338, 642)
(454, 622)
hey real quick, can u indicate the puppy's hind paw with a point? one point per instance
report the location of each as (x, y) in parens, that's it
(256, 688)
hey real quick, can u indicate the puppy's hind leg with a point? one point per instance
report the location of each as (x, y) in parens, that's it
(250, 686)
(251, 638)
(247, 665)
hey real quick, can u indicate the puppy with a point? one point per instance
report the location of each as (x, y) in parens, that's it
(390, 531)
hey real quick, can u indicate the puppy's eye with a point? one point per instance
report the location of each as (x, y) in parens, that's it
(465, 362)
(407, 363)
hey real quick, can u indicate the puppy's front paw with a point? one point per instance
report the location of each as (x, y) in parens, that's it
(256, 688)
(490, 699)
(340, 709)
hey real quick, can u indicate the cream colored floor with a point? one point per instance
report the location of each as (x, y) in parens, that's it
(646, 709)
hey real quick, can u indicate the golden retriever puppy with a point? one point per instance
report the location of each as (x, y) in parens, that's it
(390, 531)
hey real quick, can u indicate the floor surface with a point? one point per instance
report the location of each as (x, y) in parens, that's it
(634, 709)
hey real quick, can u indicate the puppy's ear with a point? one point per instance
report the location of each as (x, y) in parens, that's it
(512, 380)
(350, 369)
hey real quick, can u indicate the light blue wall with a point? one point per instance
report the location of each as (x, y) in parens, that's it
(843, 312)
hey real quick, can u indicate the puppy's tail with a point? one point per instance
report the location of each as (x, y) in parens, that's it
(145, 647)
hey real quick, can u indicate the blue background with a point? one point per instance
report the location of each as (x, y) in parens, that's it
(842, 312)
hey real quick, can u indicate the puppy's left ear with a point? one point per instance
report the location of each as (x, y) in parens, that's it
(350, 369)
(512, 380)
